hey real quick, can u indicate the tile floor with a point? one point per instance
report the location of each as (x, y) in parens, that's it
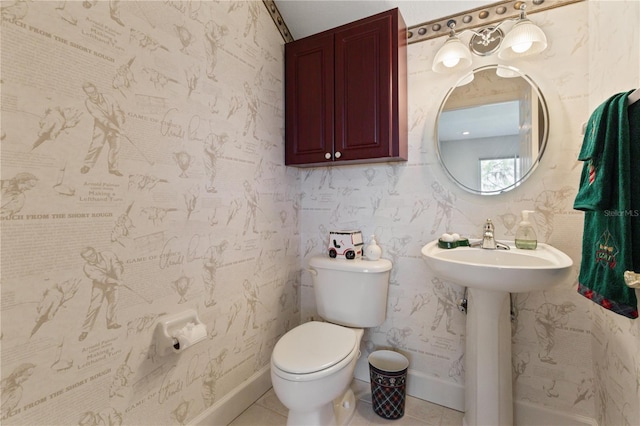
(268, 411)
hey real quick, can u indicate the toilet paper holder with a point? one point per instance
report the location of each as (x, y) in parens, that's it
(175, 333)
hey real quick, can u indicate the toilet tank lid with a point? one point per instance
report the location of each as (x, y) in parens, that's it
(353, 265)
(313, 346)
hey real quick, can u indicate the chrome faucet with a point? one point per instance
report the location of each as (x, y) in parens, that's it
(488, 240)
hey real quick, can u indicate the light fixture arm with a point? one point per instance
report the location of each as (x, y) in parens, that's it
(486, 33)
(451, 24)
(523, 39)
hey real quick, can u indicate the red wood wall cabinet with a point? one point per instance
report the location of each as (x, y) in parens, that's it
(346, 94)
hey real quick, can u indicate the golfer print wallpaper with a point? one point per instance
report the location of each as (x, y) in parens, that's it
(142, 175)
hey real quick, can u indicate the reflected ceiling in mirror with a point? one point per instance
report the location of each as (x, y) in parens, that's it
(492, 130)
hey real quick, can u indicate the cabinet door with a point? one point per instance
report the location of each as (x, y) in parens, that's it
(363, 89)
(309, 100)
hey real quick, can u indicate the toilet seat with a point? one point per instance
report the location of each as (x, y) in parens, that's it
(313, 347)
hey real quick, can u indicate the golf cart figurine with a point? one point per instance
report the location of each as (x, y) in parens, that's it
(345, 244)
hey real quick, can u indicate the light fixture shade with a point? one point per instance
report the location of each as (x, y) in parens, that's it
(525, 38)
(453, 56)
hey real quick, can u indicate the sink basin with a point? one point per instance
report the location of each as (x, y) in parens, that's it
(513, 271)
(490, 275)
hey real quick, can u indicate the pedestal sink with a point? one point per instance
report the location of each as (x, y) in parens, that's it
(490, 275)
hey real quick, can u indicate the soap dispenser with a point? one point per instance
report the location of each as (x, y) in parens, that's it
(373, 250)
(525, 235)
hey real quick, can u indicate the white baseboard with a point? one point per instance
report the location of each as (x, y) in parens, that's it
(528, 414)
(235, 402)
(451, 395)
(419, 385)
(436, 390)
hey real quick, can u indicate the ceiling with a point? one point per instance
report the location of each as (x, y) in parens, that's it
(306, 17)
(478, 122)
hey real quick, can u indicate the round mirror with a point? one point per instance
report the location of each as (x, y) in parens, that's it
(492, 130)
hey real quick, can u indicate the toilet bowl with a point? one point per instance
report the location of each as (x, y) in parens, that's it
(311, 369)
(312, 365)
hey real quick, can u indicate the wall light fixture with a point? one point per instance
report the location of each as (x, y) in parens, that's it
(525, 38)
(454, 55)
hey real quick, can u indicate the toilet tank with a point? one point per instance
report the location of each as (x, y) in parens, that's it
(352, 293)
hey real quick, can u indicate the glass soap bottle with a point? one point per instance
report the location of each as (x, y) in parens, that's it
(525, 235)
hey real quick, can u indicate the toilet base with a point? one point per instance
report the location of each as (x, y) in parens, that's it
(338, 412)
(345, 407)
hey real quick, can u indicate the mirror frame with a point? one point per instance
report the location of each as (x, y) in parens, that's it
(543, 139)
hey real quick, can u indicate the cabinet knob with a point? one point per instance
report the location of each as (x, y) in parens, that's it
(327, 156)
(338, 155)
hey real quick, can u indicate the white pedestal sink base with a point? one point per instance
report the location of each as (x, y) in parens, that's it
(488, 387)
(490, 275)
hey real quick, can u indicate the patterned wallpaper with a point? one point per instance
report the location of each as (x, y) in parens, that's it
(142, 175)
(615, 340)
(568, 354)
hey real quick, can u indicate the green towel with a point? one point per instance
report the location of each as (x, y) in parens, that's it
(609, 194)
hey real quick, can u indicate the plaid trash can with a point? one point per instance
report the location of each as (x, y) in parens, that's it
(388, 373)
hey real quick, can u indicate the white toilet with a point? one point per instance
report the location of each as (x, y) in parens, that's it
(312, 365)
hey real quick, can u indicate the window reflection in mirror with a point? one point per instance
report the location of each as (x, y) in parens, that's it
(492, 130)
(499, 173)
